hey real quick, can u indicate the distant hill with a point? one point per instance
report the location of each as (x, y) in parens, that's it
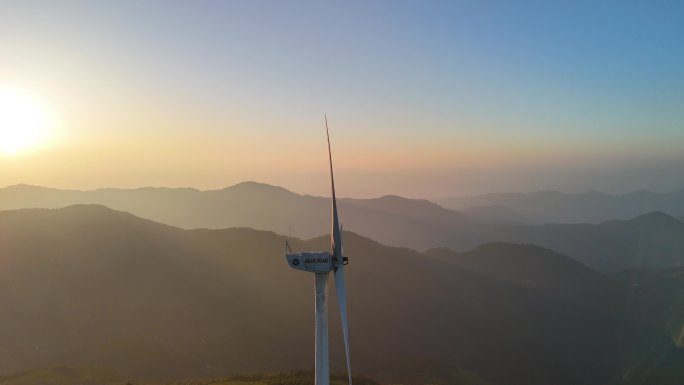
(255, 205)
(655, 220)
(589, 207)
(499, 215)
(650, 240)
(89, 286)
(391, 220)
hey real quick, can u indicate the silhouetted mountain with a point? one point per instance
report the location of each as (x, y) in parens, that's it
(255, 205)
(499, 215)
(655, 220)
(589, 207)
(392, 220)
(89, 286)
(655, 240)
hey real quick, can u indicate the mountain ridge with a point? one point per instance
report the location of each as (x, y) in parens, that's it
(158, 302)
(392, 220)
(587, 207)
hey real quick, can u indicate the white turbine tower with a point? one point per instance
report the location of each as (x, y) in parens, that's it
(321, 263)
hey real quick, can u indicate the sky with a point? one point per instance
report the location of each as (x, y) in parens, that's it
(424, 98)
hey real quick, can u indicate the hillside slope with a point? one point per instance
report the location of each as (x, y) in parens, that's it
(89, 286)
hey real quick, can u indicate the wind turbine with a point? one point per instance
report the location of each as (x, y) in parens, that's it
(321, 263)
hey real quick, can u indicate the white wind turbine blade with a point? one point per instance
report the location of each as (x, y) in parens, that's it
(336, 250)
(335, 237)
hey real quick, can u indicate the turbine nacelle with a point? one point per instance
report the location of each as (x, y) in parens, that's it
(311, 261)
(314, 261)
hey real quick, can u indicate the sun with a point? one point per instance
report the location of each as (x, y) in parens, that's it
(24, 122)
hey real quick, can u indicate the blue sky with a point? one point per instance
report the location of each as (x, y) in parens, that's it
(417, 85)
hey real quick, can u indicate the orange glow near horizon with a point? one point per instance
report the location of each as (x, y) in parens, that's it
(163, 145)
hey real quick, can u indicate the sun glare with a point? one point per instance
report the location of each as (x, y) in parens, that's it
(24, 122)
